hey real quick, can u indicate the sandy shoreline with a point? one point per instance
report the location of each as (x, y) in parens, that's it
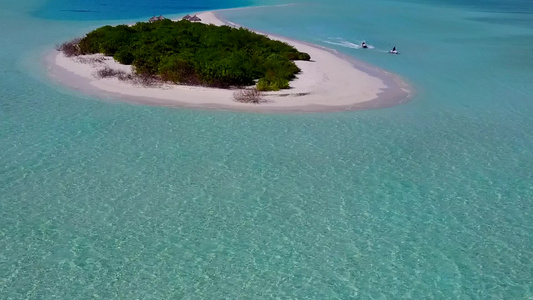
(330, 82)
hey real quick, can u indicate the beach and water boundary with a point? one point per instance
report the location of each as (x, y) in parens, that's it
(430, 199)
(332, 81)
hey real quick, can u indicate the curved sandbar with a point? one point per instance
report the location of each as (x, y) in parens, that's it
(329, 82)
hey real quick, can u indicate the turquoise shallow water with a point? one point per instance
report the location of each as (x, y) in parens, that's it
(431, 199)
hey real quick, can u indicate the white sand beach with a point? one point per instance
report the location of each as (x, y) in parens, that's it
(329, 82)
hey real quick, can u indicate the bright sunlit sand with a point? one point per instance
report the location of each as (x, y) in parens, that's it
(329, 82)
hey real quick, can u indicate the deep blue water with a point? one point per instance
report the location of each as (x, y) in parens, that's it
(126, 9)
(427, 200)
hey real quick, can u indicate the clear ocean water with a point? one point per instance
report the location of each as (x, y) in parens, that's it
(432, 199)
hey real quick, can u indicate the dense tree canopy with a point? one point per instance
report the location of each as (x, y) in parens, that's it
(195, 53)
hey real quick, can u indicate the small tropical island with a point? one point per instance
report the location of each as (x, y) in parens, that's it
(191, 53)
(207, 62)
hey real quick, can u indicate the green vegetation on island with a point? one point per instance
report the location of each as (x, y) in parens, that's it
(197, 54)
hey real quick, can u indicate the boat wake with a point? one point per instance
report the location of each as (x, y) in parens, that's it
(344, 43)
